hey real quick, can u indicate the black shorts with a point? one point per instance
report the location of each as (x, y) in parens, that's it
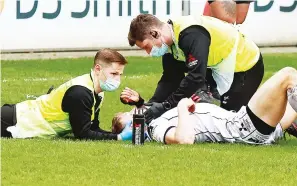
(8, 118)
(244, 86)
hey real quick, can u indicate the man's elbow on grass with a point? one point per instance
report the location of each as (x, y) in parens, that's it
(184, 140)
(173, 138)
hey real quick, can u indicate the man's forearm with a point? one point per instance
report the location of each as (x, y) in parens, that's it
(184, 133)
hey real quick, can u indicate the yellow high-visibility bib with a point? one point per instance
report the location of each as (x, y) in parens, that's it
(44, 116)
(223, 39)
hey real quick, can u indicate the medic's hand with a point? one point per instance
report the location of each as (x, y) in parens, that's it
(201, 96)
(126, 134)
(131, 97)
(155, 110)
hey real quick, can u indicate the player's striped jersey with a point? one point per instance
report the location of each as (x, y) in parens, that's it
(214, 124)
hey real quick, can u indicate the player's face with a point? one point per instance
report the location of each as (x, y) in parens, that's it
(113, 71)
(148, 44)
(126, 117)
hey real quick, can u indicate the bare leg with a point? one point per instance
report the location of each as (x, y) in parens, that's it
(289, 117)
(270, 101)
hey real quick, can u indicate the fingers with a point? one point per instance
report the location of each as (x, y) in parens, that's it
(129, 92)
(133, 91)
(127, 88)
(195, 98)
(124, 100)
(125, 94)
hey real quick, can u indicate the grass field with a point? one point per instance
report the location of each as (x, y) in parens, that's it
(69, 162)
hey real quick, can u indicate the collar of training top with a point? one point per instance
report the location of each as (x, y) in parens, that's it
(173, 47)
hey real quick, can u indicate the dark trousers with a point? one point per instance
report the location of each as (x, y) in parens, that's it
(244, 85)
(242, 89)
(8, 118)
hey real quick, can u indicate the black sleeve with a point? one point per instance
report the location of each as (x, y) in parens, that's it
(78, 102)
(194, 42)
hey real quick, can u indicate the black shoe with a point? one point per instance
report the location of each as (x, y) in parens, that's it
(292, 130)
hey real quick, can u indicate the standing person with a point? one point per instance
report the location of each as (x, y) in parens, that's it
(231, 11)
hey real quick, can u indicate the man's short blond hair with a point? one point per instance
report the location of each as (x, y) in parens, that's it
(109, 56)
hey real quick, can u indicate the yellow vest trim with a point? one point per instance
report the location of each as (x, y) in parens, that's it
(44, 116)
(223, 37)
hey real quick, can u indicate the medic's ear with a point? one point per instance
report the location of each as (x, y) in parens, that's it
(154, 34)
(97, 67)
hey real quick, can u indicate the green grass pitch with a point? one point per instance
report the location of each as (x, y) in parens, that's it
(69, 162)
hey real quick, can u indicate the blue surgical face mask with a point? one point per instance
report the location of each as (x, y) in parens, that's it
(159, 51)
(109, 84)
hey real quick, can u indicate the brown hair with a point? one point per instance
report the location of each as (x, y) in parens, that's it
(109, 56)
(117, 125)
(140, 27)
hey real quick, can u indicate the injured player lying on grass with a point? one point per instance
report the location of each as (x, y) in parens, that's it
(271, 110)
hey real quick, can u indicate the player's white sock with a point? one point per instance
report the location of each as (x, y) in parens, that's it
(292, 97)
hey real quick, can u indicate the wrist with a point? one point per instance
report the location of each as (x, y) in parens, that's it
(166, 105)
(140, 102)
